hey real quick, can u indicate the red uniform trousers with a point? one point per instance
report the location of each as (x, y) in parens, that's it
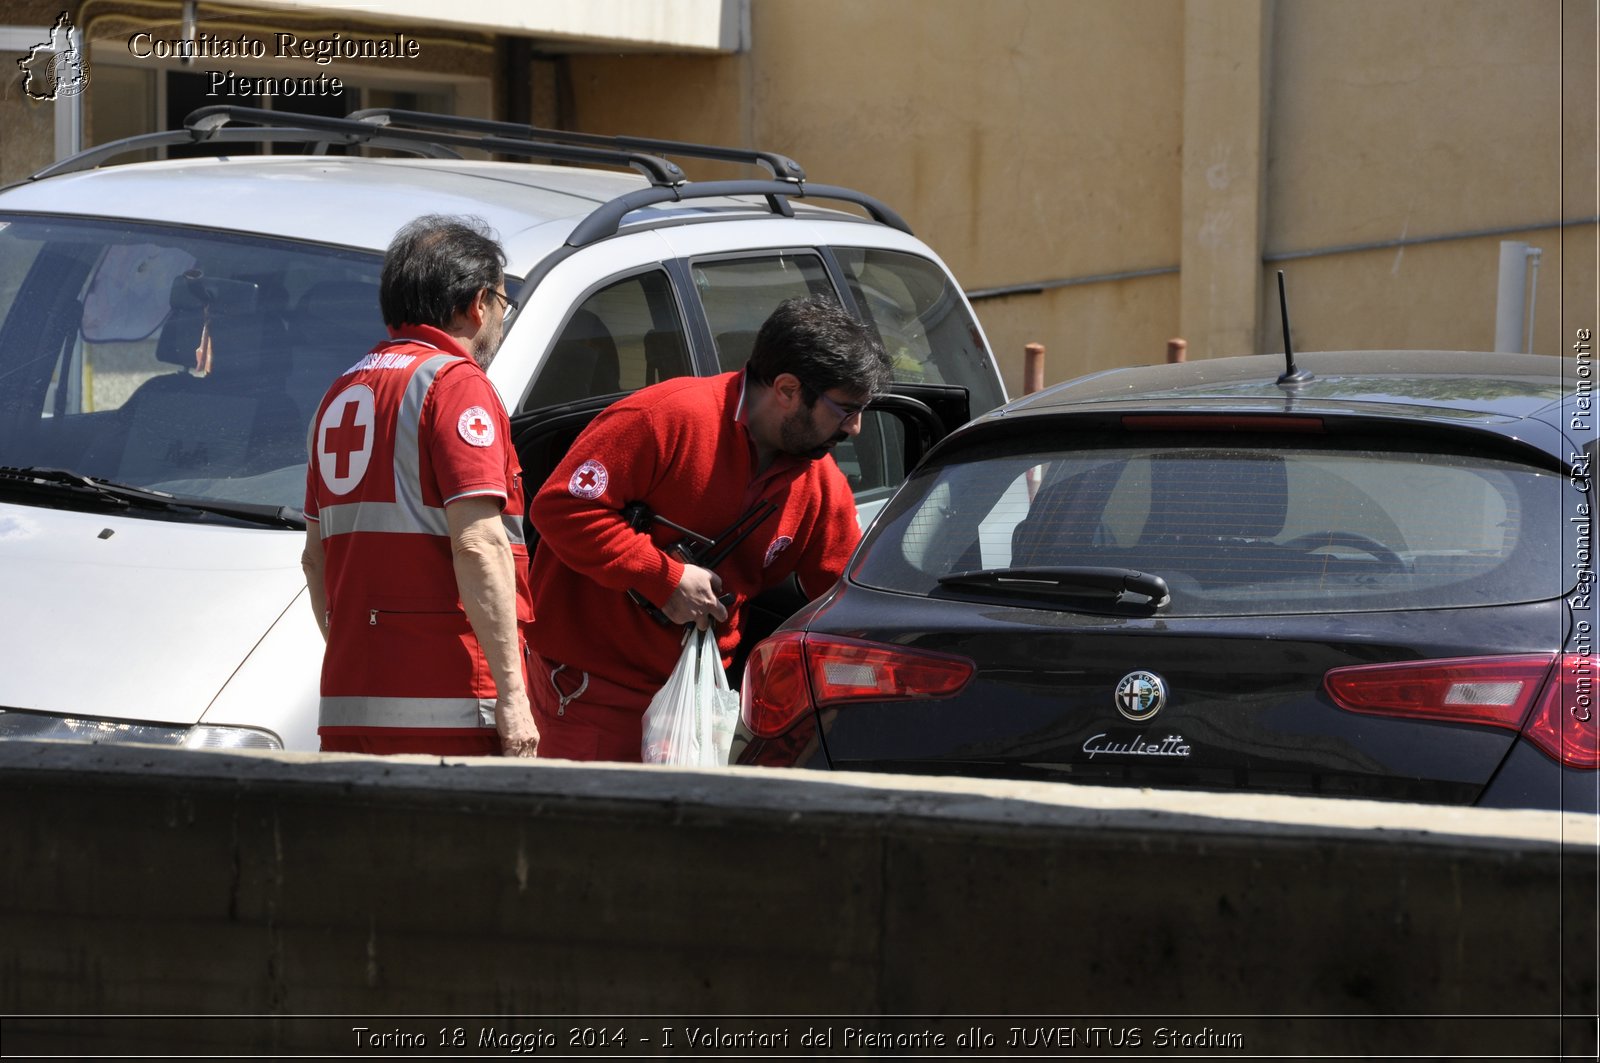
(604, 722)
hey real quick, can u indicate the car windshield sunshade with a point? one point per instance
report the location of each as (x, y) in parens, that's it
(1276, 526)
(177, 360)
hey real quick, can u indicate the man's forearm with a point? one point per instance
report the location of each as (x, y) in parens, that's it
(486, 579)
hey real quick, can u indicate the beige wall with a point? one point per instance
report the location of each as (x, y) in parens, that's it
(1431, 118)
(1023, 141)
(1034, 142)
(1047, 140)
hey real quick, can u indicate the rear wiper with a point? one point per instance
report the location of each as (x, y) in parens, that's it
(38, 478)
(1069, 581)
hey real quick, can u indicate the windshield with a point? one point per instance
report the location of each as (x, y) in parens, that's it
(183, 361)
(1232, 528)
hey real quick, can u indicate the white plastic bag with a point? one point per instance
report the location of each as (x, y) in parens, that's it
(690, 721)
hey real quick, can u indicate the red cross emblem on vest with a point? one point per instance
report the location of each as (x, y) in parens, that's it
(346, 438)
(345, 435)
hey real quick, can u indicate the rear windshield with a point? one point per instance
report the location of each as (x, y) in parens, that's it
(1275, 526)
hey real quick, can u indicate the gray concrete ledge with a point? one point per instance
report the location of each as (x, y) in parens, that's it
(157, 882)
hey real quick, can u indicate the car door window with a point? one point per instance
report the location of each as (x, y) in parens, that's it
(739, 294)
(625, 336)
(924, 325)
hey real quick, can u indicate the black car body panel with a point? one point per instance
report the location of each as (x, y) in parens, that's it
(1244, 700)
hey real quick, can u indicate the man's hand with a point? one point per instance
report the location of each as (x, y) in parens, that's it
(513, 719)
(694, 600)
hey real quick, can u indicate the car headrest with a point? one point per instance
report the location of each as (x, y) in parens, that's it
(665, 356)
(582, 363)
(339, 315)
(1064, 517)
(248, 338)
(734, 347)
(1238, 497)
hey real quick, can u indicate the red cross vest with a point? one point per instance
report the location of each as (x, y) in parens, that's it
(412, 426)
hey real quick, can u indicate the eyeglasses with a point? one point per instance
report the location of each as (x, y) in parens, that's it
(511, 304)
(845, 412)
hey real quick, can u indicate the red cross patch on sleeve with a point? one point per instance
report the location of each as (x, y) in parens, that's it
(589, 481)
(476, 427)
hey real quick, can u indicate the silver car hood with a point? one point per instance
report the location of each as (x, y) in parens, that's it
(128, 618)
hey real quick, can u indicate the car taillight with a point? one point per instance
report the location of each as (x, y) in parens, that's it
(775, 693)
(790, 673)
(1563, 723)
(1491, 690)
(847, 670)
(1551, 706)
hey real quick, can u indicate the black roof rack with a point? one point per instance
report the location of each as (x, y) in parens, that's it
(92, 157)
(781, 167)
(433, 136)
(606, 219)
(210, 125)
(658, 170)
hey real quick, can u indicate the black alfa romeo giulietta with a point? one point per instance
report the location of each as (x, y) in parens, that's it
(1370, 579)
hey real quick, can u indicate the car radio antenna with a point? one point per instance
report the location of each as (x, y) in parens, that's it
(1292, 377)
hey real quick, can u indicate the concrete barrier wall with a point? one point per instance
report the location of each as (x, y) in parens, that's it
(156, 883)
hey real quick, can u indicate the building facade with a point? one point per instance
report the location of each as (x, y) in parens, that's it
(1100, 175)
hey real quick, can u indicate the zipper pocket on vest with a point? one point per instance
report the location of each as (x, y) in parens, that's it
(434, 646)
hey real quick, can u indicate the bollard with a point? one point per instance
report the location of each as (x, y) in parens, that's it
(1032, 380)
(1177, 350)
(1032, 368)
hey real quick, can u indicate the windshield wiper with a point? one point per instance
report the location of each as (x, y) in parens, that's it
(1068, 581)
(120, 495)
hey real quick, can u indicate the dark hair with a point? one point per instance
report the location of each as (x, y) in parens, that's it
(815, 339)
(434, 268)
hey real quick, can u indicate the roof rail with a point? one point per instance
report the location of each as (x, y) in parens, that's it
(781, 167)
(434, 136)
(92, 157)
(606, 219)
(661, 172)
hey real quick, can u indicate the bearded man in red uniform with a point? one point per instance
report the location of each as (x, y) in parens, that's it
(414, 556)
(700, 453)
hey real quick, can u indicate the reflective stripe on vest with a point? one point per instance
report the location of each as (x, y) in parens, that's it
(407, 514)
(388, 517)
(355, 711)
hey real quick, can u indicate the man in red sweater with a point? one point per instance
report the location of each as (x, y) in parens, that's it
(700, 453)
